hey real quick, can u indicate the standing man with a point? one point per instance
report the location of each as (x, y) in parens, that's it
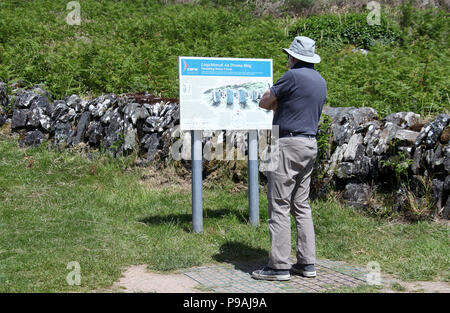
(297, 99)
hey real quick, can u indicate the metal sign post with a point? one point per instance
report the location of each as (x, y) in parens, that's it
(253, 177)
(197, 201)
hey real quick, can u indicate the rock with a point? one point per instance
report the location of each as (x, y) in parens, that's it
(406, 151)
(371, 139)
(429, 155)
(386, 136)
(114, 132)
(164, 124)
(62, 133)
(60, 111)
(150, 143)
(165, 142)
(186, 146)
(355, 148)
(445, 136)
(432, 130)
(41, 90)
(151, 124)
(400, 198)
(106, 118)
(408, 137)
(23, 99)
(417, 164)
(446, 210)
(4, 100)
(357, 194)
(438, 190)
(446, 152)
(418, 186)
(155, 109)
(447, 183)
(403, 119)
(134, 112)
(19, 119)
(130, 139)
(37, 115)
(346, 170)
(81, 128)
(75, 103)
(437, 162)
(347, 120)
(94, 133)
(336, 158)
(368, 127)
(33, 138)
(362, 51)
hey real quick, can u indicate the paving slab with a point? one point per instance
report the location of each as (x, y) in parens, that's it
(235, 277)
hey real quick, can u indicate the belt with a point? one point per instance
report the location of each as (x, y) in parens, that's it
(295, 134)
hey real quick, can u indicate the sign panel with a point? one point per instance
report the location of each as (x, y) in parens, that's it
(222, 93)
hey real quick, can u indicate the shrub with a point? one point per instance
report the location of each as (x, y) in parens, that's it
(337, 30)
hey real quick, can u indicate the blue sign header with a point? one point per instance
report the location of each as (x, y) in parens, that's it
(225, 67)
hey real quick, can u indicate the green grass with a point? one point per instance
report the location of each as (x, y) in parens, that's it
(65, 207)
(125, 46)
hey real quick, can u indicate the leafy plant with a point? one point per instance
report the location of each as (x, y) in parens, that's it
(337, 30)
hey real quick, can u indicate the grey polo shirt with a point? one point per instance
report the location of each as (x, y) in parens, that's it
(301, 93)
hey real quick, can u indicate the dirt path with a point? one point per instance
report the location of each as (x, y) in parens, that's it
(138, 279)
(420, 286)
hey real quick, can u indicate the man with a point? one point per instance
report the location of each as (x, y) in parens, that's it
(297, 99)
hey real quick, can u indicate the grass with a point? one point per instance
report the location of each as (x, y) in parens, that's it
(62, 207)
(126, 46)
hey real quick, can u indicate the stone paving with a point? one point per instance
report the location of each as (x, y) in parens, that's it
(235, 277)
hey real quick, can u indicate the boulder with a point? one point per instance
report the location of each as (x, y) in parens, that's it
(403, 119)
(60, 111)
(386, 135)
(114, 132)
(33, 138)
(445, 212)
(417, 165)
(355, 148)
(438, 193)
(347, 120)
(130, 136)
(63, 131)
(74, 102)
(407, 137)
(19, 119)
(94, 133)
(4, 100)
(432, 131)
(150, 144)
(357, 194)
(81, 128)
(446, 152)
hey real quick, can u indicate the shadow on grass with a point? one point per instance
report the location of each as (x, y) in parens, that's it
(185, 218)
(242, 256)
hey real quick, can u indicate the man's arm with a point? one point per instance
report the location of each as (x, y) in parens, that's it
(268, 101)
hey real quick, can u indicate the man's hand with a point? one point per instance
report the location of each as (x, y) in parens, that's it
(268, 101)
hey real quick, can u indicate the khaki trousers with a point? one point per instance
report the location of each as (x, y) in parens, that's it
(288, 192)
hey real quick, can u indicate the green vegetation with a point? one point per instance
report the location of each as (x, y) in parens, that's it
(97, 211)
(125, 46)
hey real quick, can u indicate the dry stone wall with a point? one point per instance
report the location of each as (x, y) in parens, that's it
(400, 153)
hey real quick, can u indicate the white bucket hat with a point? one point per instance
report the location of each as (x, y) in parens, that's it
(303, 48)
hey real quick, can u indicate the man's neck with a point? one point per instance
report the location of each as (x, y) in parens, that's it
(300, 64)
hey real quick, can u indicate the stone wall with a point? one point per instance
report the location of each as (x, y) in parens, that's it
(400, 155)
